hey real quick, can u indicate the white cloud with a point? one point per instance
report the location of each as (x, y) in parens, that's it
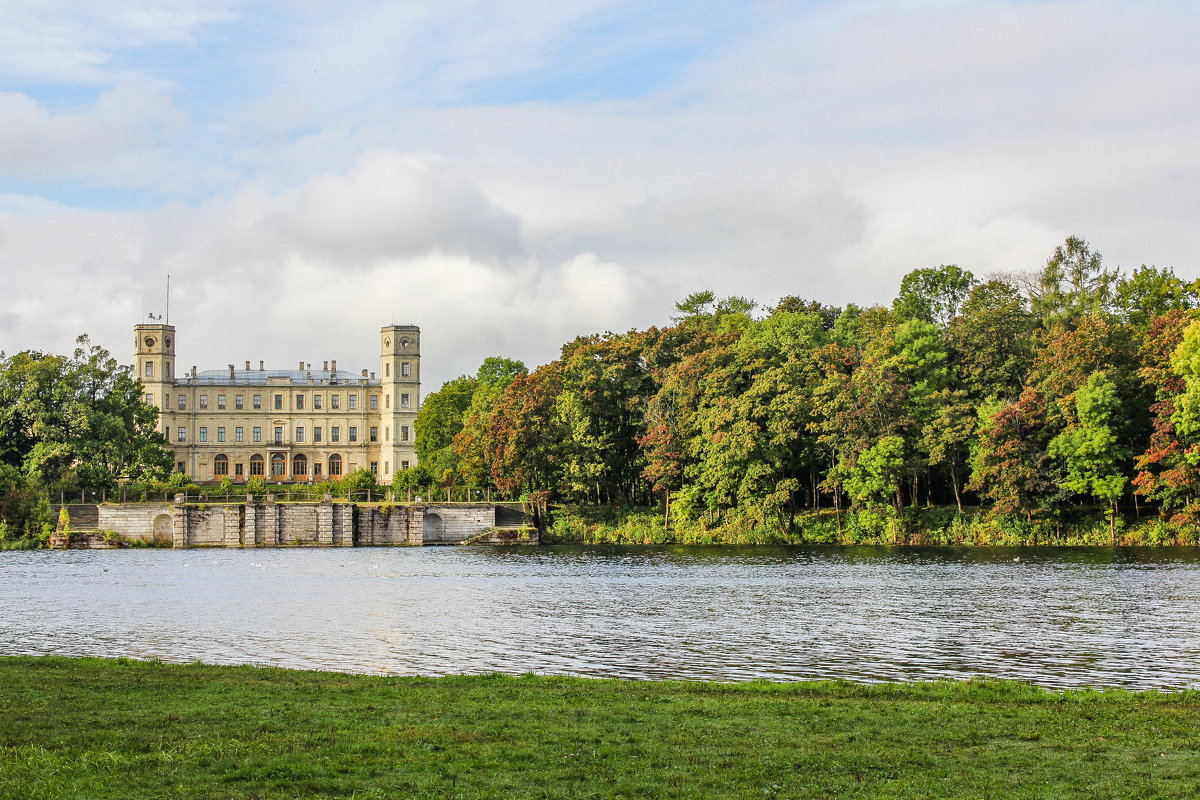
(113, 140)
(312, 272)
(63, 40)
(821, 151)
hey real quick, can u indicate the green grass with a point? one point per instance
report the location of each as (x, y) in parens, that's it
(98, 729)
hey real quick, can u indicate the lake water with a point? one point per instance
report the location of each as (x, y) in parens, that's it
(1094, 617)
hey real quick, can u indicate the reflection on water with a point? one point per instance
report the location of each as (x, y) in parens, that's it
(1057, 617)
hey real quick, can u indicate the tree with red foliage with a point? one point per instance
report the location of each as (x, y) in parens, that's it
(1164, 472)
(1010, 466)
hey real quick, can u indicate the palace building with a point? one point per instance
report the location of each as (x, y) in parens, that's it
(296, 425)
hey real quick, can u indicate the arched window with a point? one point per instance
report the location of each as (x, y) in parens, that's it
(299, 466)
(221, 465)
(256, 465)
(278, 465)
(335, 465)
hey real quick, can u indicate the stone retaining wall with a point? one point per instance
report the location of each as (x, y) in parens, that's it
(266, 523)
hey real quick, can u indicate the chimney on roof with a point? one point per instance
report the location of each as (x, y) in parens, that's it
(193, 370)
(326, 367)
(364, 373)
(372, 376)
(231, 372)
(260, 365)
(333, 365)
(247, 366)
(302, 366)
(308, 366)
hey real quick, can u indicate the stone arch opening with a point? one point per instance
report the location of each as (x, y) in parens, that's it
(433, 528)
(164, 528)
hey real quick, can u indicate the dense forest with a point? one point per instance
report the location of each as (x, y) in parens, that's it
(1023, 401)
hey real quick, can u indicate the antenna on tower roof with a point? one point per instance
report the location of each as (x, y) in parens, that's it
(168, 298)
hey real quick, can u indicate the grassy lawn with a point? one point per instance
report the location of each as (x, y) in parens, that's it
(96, 729)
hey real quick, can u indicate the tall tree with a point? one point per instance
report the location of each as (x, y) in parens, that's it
(474, 457)
(1151, 292)
(80, 420)
(991, 342)
(1164, 472)
(1009, 465)
(607, 384)
(756, 444)
(933, 294)
(947, 435)
(524, 440)
(1073, 284)
(439, 420)
(1089, 447)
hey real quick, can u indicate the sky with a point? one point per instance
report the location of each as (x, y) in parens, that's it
(512, 175)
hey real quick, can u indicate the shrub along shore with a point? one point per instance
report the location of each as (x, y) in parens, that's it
(98, 729)
(938, 525)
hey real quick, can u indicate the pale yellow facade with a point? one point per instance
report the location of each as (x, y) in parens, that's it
(294, 425)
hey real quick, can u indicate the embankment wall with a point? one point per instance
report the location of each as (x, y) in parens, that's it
(266, 523)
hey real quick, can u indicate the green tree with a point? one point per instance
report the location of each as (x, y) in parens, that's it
(473, 459)
(583, 447)
(24, 510)
(439, 420)
(1073, 284)
(1089, 448)
(874, 476)
(754, 445)
(798, 305)
(606, 383)
(359, 483)
(704, 309)
(991, 342)
(499, 371)
(78, 421)
(933, 294)
(410, 480)
(688, 367)
(947, 436)
(1151, 292)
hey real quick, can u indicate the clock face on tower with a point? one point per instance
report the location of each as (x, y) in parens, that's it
(149, 342)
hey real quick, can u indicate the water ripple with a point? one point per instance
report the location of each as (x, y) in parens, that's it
(1094, 617)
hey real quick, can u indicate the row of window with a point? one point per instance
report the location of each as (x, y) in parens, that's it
(335, 434)
(279, 464)
(239, 402)
(279, 467)
(387, 369)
